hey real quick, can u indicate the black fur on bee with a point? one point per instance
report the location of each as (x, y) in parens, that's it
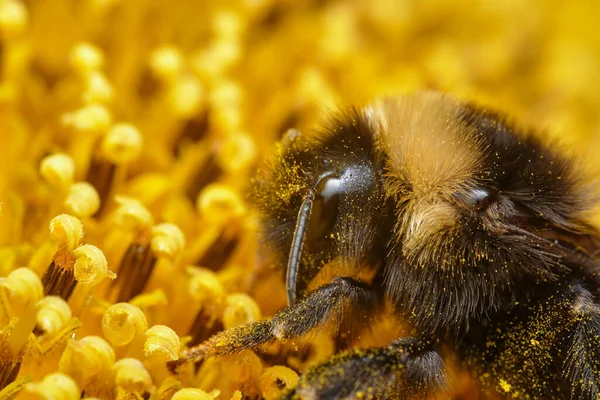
(475, 232)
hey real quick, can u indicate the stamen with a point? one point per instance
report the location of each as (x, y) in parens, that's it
(55, 386)
(195, 394)
(208, 292)
(59, 277)
(90, 362)
(97, 89)
(134, 271)
(58, 170)
(275, 381)
(101, 175)
(92, 119)
(241, 309)
(85, 58)
(123, 323)
(91, 268)
(13, 345)
(13, 18)
(161, 346)
(216, 256)
(166, 63)
(139, 260)
(121, 145)
(132, 377)
(52, 315)
(82, 200)
(73, 263)
(168, 388)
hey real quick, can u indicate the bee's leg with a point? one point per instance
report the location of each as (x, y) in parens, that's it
(552, 350)
(355, 299)
(404, 369)
(581, 341)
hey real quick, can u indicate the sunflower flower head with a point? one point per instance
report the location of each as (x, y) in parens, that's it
(131, 132)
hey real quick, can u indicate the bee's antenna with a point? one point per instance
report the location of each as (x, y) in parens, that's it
(297, 243)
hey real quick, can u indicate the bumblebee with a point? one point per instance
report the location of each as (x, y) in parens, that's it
(470, 229)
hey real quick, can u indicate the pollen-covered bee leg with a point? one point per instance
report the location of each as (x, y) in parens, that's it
(555, 350)
(348, 296)
(406, 368)
(582, 344)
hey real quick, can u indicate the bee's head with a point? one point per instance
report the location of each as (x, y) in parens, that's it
(321, 199)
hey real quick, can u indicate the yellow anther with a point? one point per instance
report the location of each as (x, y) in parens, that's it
(246, 366)
(237, 395)
(91, 119)
(167, 240)
(227, 120)
(241, 309)
(82, 200)
(220, 202)
(195, 394)
(13, 18)
(132, 215)
(206, 288)
(277, 380)
(221, 54)
(226, 94)
(168, 388)
(66, 230)
(162, 344)
(227, 24)
(122, 144)
(85, 58)
(91, 267)
(122, 323)
(23, 285)
(132, 376)
(58, 170)
(54, 386)
(15, 388)
(205, 66)
(186, 96)
(237, 153)
(98, 90)
(53, 314)
(87, 358)
(166, 63)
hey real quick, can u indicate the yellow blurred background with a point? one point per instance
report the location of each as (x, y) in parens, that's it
(172, 103)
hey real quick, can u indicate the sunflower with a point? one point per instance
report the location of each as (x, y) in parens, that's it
(130, 130)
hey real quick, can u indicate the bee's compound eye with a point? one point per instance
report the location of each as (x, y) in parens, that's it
(476, 199)
(328, 190)
(324, 210)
